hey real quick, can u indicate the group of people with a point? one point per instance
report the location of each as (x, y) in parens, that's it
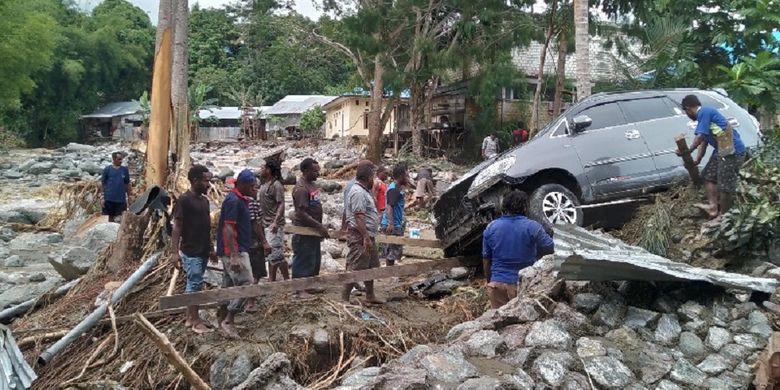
(491, 146)
(250, 231)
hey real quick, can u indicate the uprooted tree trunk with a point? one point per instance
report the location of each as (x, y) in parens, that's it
(130, 241)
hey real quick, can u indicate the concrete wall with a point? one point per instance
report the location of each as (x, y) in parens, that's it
(345, 118)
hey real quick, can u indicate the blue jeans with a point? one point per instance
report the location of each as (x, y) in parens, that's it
(193, 267)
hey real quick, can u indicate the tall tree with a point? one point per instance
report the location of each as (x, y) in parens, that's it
(551, 18)
(160, 116)
(214, 49)
(582, 48)
(180, 131)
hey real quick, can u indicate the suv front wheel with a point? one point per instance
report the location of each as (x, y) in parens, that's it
(553, 204)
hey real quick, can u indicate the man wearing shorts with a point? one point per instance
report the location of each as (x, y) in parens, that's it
(271, 197)
(115, 181)
(393, 220)
(191, 239)
(307, 253)
(363, 223)
(258, 249)
(234, 239)
(721, 174)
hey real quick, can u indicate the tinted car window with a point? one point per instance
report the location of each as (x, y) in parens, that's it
(605, 115)
(641, 110)
(705, 100)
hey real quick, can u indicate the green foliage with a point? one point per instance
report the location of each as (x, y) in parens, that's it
(197, 99)
(214, 47)
(753, 224)
(752, 81)
(312, 120)
(146, 107)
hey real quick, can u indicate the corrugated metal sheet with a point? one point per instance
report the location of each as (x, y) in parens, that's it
(298, 104)
(17, 374)
(587, 255)
(111, 110)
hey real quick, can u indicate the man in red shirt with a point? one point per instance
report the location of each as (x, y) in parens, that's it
(519, 134)
(380, 189)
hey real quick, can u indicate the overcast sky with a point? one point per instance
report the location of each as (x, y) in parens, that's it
(304, 7)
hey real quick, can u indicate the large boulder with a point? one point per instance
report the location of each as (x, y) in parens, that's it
(33, 247)
(27, 211)
(330, 187)
(74, 262)
(100, 236)
(41, 168)
(92, 168)
(23, 292)
(79, 148)
(274, 374)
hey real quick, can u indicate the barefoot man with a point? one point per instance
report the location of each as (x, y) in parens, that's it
(271, 196)
(191, 239)
(234, 238)
(307, 255)
(721, 173)
(363, 224)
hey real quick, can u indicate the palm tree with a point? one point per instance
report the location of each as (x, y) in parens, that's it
(198, 100)
(582, 49)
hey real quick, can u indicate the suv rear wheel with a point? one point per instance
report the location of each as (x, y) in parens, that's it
(553, 204)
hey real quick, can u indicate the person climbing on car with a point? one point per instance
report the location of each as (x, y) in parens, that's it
(510, 243)
(721, 173)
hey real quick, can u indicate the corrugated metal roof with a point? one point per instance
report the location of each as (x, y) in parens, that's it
(111, 110)
(230, 112)
(16, 373)
(298, 104)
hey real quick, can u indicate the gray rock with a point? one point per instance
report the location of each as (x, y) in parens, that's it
(741, 325)
(691, 311)
(654, 363)
(448, 366)
(256, 162)
(74, 262)
(273, 374)
(750, 341)
(736, 379)
(667, 385)
(517, 311)
(553, 366)
(696, 326)
(717, 338)
(608, 371)
(458, 273)
(759, 324)
(520, 379)
(25, 166)
(92, 168)
(23, 292)
(548, 334)
(100, 236)
(742, 310)
(480, 383)
(463, 329)
(716, 384)
(321, 340)
(13, 174)
(714, 364)
(223, 173)
(362, 377)
(668, 329)
(611, 311)
(686, 373)
(691, 346)
(335, 164)
(487, 343)
(79, 148)
(639, 318)
(412, 356)
(734, 353)
(575, 381)
(443, 288)
(587, 302)
(588, 347)
(41, 168)
(665, 304)
(517, 357)
(7, 234)
(37, 277)
(228, 370)
(329, 187)
(13, 261)
(570, 319)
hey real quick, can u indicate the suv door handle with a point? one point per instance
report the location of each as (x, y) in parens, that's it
(633, 134)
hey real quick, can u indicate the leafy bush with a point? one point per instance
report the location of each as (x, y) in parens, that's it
(753, 224)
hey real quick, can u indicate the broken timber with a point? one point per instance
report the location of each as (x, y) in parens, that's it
(685, 153)
(380, 238)
(596, 256)
(265, 288)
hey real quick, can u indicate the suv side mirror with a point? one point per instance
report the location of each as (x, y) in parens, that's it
(581, 122)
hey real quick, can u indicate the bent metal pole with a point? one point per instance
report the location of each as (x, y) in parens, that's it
(88, 322)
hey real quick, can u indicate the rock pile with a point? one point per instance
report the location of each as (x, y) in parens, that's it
(580, 334)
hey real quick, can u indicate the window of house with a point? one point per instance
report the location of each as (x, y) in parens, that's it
(357, 102)
(365, 119)
(641, 110)
(605, 115)
(366, 103)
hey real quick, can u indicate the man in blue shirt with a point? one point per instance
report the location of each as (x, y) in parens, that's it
(115, 181)
(234, 239)
(393, 220)
(510, 243)
(721, 173)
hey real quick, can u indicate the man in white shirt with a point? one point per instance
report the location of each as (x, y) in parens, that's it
(490, 146)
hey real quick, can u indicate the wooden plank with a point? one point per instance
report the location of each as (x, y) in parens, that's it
(265, 288)
(693, 169)
(380, 238)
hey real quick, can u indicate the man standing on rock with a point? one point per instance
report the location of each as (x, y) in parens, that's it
(271, 197)
(510, 243)
(234, 239)
(393, 220)
(307, 255)
(115, 181)
(363, 221)
(191, 239)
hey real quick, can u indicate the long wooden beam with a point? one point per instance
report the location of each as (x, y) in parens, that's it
(380, 238)
(266, 288)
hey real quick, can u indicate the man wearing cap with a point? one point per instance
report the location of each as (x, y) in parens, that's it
(234, 239)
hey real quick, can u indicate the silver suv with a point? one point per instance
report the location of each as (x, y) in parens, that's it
(609, 146)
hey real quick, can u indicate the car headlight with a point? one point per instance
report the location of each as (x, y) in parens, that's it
(498, 167)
